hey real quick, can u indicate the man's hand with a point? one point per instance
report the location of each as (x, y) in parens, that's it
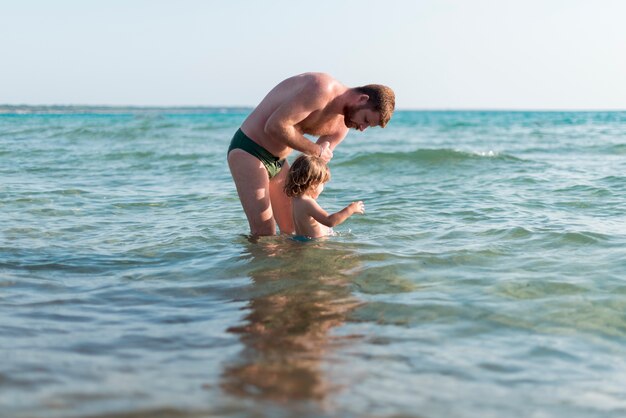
(325, 154)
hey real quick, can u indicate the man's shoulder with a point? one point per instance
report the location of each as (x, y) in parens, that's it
(318, 77)
(316, 89)
(321, 81)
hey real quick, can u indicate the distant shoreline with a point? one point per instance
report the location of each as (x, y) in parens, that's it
(124, 109)
(107, 110)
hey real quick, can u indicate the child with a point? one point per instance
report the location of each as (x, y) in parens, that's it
(305, 182)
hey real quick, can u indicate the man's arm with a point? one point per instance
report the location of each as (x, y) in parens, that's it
(282, 123)
(334, 139)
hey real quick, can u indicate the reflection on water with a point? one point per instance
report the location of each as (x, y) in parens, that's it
(300, 291)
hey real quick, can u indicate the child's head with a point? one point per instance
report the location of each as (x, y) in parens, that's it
(306, 172)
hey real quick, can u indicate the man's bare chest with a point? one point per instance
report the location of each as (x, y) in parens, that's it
(321, 124)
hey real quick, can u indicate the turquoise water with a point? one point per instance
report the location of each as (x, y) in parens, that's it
(486, 279)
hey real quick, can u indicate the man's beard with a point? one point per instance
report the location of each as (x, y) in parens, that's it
(348, 115)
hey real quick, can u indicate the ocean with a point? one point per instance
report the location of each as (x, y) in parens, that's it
(487, 277)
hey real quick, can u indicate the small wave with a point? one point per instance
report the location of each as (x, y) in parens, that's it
(538, 289)
(433, 156)
(132, 155)
(614, 183)
(458, 125)
(618, 149)
(575, 238)
(515, 233)
(69, 192)
(101, 132)
(585, 190)
(608, 149)
(210, 127)
(407, 315)
(614, 179)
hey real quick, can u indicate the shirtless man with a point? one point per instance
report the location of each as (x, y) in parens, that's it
(311, 103)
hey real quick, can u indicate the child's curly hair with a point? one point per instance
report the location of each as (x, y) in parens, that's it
(305, 172)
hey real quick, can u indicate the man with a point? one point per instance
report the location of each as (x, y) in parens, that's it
(310, 103)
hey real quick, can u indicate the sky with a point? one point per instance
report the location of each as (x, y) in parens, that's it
(435, 54)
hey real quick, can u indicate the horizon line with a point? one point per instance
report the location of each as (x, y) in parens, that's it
(7, 106)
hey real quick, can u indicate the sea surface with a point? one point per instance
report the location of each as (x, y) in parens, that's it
(487, 277)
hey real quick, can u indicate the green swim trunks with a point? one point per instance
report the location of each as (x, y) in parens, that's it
(272, 164)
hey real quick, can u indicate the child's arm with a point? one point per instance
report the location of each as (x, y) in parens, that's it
(321, 216)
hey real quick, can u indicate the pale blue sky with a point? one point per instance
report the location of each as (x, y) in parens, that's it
(436, 54)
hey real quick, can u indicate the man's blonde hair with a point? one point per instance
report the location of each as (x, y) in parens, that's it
(381, 99)
(306, 172)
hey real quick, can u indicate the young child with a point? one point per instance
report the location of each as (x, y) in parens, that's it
(305, 182)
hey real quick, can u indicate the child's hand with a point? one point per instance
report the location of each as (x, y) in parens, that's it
(357, 207)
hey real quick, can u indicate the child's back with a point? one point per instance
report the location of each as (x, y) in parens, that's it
(305, 182)
(305, 223)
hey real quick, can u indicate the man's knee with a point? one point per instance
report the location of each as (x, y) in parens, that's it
(263, 230)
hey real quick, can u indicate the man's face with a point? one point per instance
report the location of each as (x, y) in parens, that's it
(361, 117)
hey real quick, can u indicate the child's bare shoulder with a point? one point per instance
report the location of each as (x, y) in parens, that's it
(305, 203)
